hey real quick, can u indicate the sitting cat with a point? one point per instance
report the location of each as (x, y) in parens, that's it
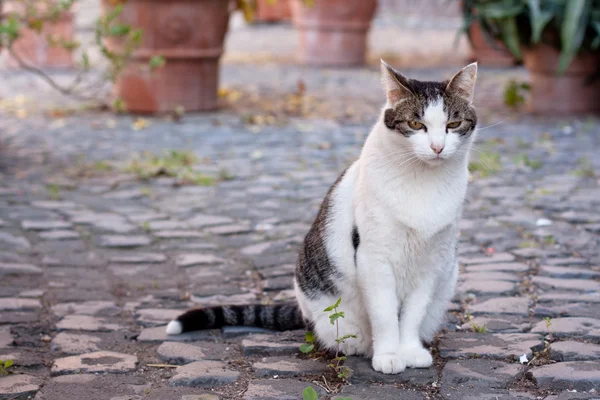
(385, 237)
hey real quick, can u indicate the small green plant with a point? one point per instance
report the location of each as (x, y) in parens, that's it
(309, 346)
(309, 393)
(514, 93)
(146, 226)
(173, 163)
(342, 371)
(4, 366)
(523, 159)
(548, 321)
(550, 240)
(475, 327)
(487, 163)
(53, 191)
(528, 244)
(586, 168)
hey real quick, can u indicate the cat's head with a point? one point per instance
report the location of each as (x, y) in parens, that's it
(435, 120)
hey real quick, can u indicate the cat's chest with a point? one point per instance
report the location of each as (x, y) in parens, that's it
(425, 208)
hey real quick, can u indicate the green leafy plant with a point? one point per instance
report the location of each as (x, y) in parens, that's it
(309, 346)
(585, 168)
(524, 160)
(4, 366)
(571, 26)
(309, 393)
(173, 163)
(475, 327)
(342, 371)
(513, 93)
(35, 15)
(486, 163)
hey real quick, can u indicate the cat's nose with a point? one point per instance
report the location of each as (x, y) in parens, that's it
(437, 149)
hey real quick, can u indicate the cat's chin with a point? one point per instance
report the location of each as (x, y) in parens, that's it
(433, 162)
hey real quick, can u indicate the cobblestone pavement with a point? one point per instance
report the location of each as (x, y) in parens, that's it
(94, 261)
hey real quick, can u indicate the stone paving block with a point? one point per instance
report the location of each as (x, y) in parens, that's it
(159, 334)
(566, 284)
(33, 293)
(586, 328)
(205, 396)
(477, 372)
(496, 345)
(202, 220)
(486, 287)
(44, 225)
(529, 252)
(230, 332)
(178, 234)
(76, 379)
(86, 323)
(494, 258)
(574, 351)
(555, 310)
(278, 389)
(204, 373)
(121, 241)
(267, 345)
(500, 324)
(502, 305)
(183, 353)
(189, 260)
(226, 230)
(16, 241)
(54, 204)
(72, 343)
(478, 393)
(363, 372)
(6, 338)
(85, 308)
(369, 392)
(19, 269)
(17, 304)
(98, 362)
(138, 258)
(579, 375)
(59, 235)
(156, 316)
(17, 386)
(568, 272)
(490, 275)
(287, 367)
(569, 297)
(567, 261)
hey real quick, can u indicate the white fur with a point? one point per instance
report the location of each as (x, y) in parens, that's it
(406, 203)
(174, 328)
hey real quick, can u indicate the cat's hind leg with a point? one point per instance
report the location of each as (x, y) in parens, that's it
(354, 323)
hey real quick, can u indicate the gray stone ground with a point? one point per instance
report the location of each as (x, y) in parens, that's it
(94, 261)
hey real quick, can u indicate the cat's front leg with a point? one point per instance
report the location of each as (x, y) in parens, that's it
(411, 317)
(378, 285)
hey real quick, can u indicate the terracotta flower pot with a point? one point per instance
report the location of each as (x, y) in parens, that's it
(189, 34)
(333, 32)
(267, 11)
(485, 53)
(570, 93)
(34, 48)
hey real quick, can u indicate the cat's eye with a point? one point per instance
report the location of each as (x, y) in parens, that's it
(453, 125)
(415, 125)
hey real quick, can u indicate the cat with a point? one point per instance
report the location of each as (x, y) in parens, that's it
(385, 237)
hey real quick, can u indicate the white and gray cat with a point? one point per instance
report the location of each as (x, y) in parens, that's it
(385, 237)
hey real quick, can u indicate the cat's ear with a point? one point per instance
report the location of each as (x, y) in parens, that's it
(463, 83)
(395, 84)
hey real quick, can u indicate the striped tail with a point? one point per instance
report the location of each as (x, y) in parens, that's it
(278, 317)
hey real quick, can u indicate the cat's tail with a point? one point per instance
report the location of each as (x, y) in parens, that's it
(278, 317)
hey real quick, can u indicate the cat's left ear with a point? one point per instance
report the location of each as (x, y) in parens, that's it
(463, 83)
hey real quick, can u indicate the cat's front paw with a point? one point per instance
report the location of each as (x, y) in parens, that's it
(388, 363)
(416, 357)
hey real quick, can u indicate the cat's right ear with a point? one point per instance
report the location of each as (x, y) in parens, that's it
(394, 83)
